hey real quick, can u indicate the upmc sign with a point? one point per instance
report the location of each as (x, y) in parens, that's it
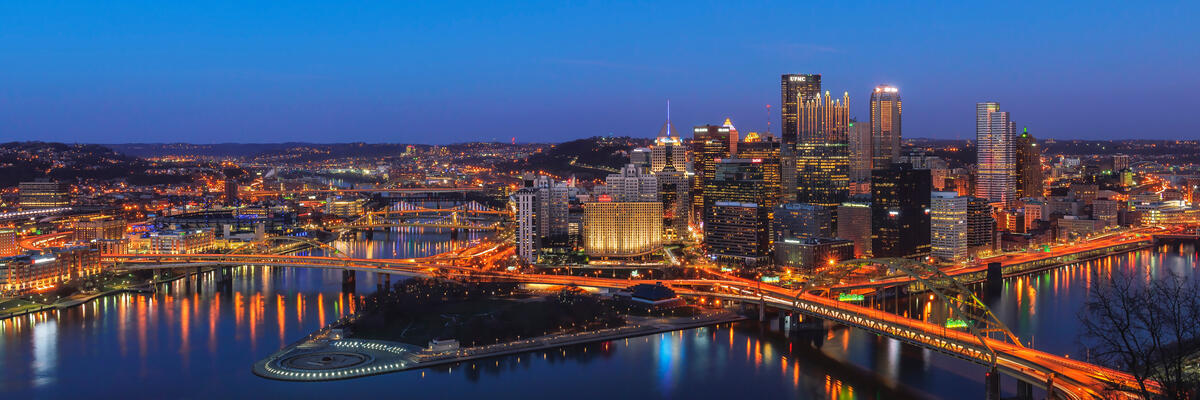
(795, 78)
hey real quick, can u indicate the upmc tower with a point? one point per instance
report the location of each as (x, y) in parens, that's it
(793, 87)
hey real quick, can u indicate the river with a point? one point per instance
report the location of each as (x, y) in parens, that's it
(195, 340)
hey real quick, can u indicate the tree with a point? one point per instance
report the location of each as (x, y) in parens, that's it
(1147, 326)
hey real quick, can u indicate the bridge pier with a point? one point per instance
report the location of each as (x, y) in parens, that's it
(348, 281)
(453, 233)
(992, 384)
(995, 280)
(384, 282)
(1024, 390)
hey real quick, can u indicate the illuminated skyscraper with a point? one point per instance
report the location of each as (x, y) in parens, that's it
(948, 226)
(736, 222)
(709, 143)
(622, 229)
(668, 148)
(793, 89)
(859, 137)
(765, 149)
(885, 126)
(996, 161)
(1029, 166)
(823, 152)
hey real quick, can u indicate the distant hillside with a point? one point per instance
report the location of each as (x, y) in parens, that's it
(26, 161)
(589, 158)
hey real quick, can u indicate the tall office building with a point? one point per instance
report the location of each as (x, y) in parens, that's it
(668, 150)
(948, 226)
(854, 224)
(641, 158)
(737, 232)
(542, 218)
(885, 126)
(673, 192)
(1029, 166)
(823, 152)
(736, 222)
(995, 159)
(794, 89)
(766, 150)
(709, 143)
(799, 220)
(981, 226)
(43, 194)
(738, 180)
(900, 211)
(859, 137)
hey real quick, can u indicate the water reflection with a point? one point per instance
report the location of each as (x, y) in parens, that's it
(198, 337)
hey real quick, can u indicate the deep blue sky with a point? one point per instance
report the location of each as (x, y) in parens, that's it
(438, 72)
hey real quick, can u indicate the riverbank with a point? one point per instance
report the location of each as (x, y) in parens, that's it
(328, 359)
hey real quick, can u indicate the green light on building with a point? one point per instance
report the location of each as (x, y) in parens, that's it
(850, 297)
(955, 323)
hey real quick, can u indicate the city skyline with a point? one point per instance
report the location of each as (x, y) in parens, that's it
(257, 74)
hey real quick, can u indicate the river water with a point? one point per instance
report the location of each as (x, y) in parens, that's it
(194, 339)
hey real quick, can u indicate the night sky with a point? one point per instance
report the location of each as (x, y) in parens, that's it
(440, 72)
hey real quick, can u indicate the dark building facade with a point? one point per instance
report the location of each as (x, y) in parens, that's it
(737, 232)
(900, 197)
(800, 220)
(1029, 166)
(981, 225)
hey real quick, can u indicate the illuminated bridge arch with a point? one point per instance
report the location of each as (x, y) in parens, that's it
(963, 303)
(246, 248)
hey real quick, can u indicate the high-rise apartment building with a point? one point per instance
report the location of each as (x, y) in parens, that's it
(43, 194)
(823, 152)
(619, 229)
(542, 217)
(794, 89)
(995, 158)
(948, 226)
(885, 126)
(1029, 166)
(900, 198)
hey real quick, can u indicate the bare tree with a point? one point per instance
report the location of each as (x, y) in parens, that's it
(1147, 326)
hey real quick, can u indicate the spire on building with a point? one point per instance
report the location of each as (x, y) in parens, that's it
(668, 129)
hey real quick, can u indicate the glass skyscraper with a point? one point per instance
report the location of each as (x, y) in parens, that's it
(996, 162)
